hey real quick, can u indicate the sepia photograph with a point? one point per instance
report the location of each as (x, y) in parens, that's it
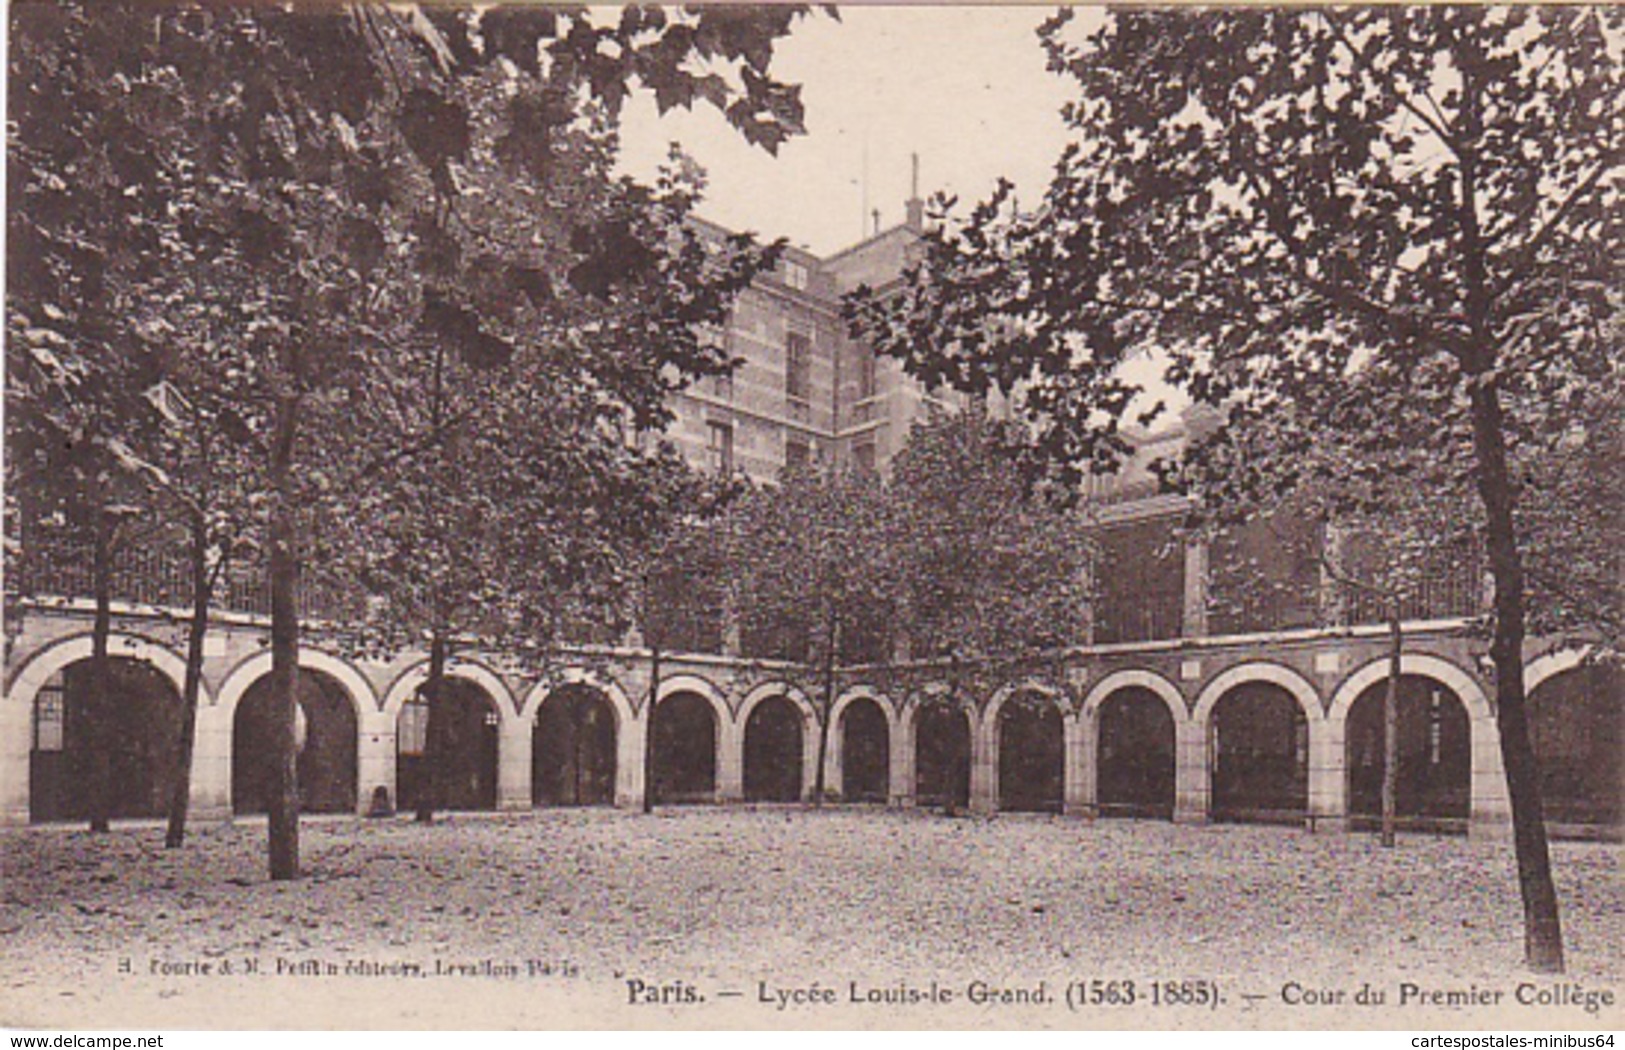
(779, 517)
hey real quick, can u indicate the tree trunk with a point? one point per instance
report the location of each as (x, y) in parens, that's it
(284, 569)
(959, 770)
(1390, 730)
(100, 708)
(1543, 933)
(649, 731)
(829, 708)
(181, 786)
(1542, 930)
(429, 782)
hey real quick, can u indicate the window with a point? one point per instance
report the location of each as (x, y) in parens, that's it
(863, 457)
(795, 275)
(720, 446)
(797, 453)
(48, 706)
(412, 733)
(866, 374)
(721, 387)
(1435, 728)
(798, 366)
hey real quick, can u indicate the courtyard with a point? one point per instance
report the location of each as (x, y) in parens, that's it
(791, 917)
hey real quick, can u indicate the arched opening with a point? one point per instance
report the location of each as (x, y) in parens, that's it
(1135, 760)
(1031, 755)
(1434, 784)
(326, 731)
(773, 752)
(468, 726)
(1260, 746)
(573, 749)
(1575, 722)
(865, 752)
(942, 754)
(135, 723)
(685, 749)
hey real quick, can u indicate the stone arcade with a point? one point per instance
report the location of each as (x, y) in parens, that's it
(1180, 702)
(1228, 728)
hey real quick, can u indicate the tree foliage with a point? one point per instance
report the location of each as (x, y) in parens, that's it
(990, 569)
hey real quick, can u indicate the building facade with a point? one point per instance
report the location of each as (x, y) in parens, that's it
(1187, 698)
(804, 392)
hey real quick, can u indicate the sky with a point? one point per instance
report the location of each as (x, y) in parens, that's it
(963, 87)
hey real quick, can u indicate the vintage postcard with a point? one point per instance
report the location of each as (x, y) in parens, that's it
(897, 517)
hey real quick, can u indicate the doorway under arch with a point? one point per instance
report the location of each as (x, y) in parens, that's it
(865, 752)
(327, 747)
(1577, 726)
(573, 749)
(134, 724)
(773, 749)
(685, 749)
(942, 756)
(1260, 746)
(1434, 787)
(1135, 755)
(468, 725)
(1032, 755)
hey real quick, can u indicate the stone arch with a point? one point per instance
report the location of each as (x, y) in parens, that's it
(1251, 788)
(1551, 665)
(801, 785)
(1150, 681)
(472, 766)
(605, 684)
(836, 761)
(946, 779)
(1260, 671)
(1447, 674)
(36, 786)
(1433, 746)
(624, 764)
(253, 668)
(332, 726)
(930, 693)
(26, 682)
(853, 693)
(768, 690)
(693, 683)
(1025, 763)
(724, 751)
(411, 680)
(1576, 712)
(1058, 697)
(1126, 770)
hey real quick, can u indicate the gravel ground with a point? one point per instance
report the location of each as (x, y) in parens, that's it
(554, 914)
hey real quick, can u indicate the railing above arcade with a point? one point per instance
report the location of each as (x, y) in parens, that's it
(161, 577)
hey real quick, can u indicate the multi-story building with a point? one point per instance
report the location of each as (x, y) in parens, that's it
(804, 392)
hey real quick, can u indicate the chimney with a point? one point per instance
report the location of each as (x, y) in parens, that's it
(914, 207)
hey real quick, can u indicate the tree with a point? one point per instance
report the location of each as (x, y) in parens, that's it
(79, 265)
(309, 132)
(994, 571)
(677, 599)
(499, 482)
(993, 575)
(813, 557)
(950, 561)
(1277, 201)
